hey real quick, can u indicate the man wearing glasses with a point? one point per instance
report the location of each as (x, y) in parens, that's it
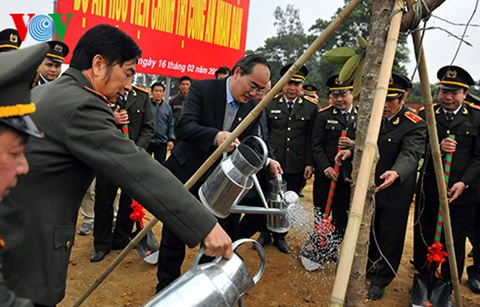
(212, 110)
(290, 123)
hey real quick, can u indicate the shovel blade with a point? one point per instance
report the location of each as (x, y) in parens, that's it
(428, 292)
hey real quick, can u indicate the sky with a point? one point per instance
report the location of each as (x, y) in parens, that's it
(440, 46)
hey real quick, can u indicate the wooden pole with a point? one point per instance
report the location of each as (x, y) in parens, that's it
(437, 159)
(240, 128)
(370, 151)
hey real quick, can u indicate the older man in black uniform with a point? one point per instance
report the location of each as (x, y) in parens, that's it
(51, 66)
(453, 117)
(401, 144)
(18, 72)
(290, 122)
(326, 138)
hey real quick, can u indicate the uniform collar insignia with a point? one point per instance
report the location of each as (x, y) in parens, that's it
(335, 111)
(397, 121)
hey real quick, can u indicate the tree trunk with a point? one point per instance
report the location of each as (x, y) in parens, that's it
(380, 16)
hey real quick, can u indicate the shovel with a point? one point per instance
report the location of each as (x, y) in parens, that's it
(428, 289)
(314, 252)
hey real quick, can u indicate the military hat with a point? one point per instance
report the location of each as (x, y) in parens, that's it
(9, 40)
(472, 99)
(299, 76)
(336, 87)
(58, 51)
(454, 78)
(19, 68)
(310, 89)
(398, 86)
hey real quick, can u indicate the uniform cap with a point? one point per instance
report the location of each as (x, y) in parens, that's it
(336, 87)
(472, 99)
(398, 86)
(9, 40)
(454, 78)
(58, 51)
(299, 76)
(18, 71)
(310, 88)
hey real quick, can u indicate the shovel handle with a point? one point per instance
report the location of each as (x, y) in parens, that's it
(333, 183)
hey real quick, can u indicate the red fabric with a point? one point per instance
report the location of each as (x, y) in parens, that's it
(436, 253)
(138, 213)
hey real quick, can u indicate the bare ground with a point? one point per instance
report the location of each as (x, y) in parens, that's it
(284, 283)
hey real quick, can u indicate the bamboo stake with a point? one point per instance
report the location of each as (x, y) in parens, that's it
(240, 128)
(437, 160)
(370, 151)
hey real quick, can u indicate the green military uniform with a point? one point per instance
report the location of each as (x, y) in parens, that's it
(81, 140)
(18, 71)
(401, 145)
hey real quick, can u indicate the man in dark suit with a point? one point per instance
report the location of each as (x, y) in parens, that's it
(16, 77)
(81, 140)
(326, 138)
(453, 117)
(401, 145)
(212, 110)
(290, 123)
(136, 112)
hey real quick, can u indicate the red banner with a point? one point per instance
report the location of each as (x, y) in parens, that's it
(177, 37)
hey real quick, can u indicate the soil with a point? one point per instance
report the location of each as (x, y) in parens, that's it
(284, 283)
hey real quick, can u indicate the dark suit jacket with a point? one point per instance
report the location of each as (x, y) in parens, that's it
(465, 160)
(38, 218)
(202, 118)
(140, 116)
(401, 145)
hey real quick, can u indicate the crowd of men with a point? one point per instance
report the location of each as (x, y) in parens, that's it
(93, 123)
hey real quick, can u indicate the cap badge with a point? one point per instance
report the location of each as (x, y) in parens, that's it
(13, 38)
(337, 81)
(452, 74)
(58, 48)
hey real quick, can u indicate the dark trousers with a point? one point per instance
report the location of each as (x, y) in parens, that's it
(476, 238)
(386, 244)
(159, 151)
(461, 217)
(103, 238)
(340, 201)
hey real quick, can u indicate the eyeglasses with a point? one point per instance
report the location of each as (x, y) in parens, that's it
(254, 86)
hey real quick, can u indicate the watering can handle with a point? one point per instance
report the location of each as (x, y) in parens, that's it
(259, 190)
(259, 249)
(260, 252)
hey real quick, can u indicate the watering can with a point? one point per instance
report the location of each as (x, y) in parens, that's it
(220, 283)
(232, 178)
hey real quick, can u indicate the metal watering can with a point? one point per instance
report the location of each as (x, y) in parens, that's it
(232, 178)
(220, 283)
(279, 198)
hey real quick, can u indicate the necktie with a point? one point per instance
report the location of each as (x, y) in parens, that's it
(384, 122)
(450, 116)
(233, 105)
(290, 105)
(346, 115)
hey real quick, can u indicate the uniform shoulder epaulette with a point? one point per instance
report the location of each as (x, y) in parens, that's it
(311, 99)
(141, 89)
(326, 108)
(413, 117)
(473, 106)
